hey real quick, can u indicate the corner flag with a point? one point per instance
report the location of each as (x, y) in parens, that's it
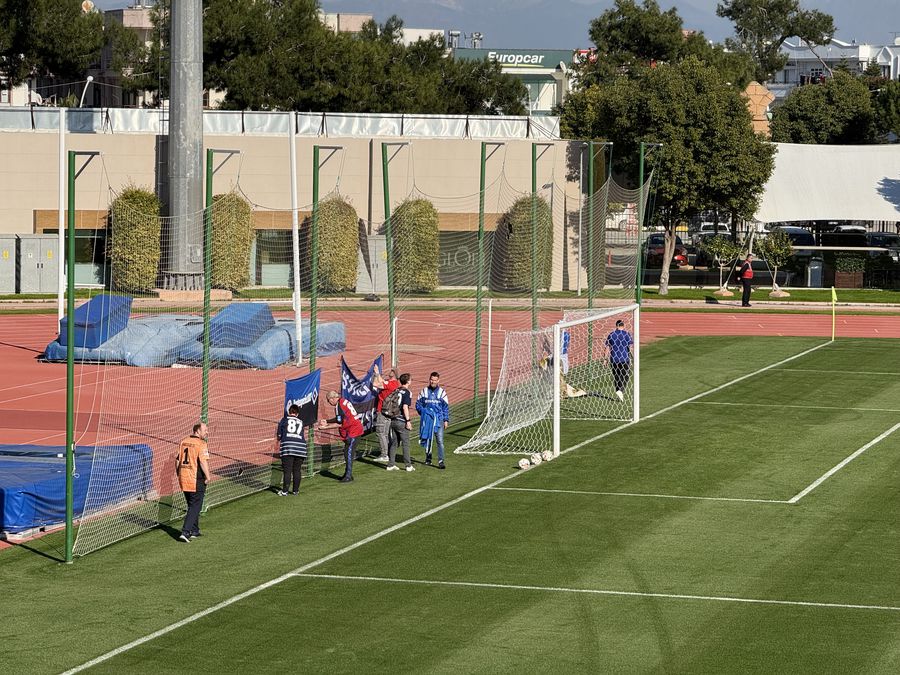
(833, 321)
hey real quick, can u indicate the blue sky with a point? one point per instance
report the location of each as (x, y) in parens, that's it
(562, 24)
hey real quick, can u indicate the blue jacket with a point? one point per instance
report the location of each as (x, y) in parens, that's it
(434, 409)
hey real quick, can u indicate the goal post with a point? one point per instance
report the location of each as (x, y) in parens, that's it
(585, 367)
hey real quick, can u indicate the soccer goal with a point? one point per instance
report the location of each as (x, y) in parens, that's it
(586, 367)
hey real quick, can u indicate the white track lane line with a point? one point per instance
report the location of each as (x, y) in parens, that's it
(597, 591)
(409, 521)
(837, 467)
(650, 494)
(801, 407)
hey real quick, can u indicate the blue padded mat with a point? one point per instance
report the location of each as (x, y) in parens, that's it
(239, 325)
(97, 320)
(33, 481)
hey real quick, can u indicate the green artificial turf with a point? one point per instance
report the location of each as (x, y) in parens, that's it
(529, 563)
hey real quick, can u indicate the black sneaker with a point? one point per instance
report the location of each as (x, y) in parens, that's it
(295, 493)
(427, 460)
(196, 534)
(185, 538)
(346, 479)
(441, 466)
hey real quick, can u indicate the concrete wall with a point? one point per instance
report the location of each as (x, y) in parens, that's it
(445, 170)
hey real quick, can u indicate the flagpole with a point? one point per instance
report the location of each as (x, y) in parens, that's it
(833, 303)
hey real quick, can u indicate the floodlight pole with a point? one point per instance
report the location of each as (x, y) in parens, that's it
(70, 347)
(388, 237)
(207, 271)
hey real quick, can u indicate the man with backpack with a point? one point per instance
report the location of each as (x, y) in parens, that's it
(385, 387)
(396, 409)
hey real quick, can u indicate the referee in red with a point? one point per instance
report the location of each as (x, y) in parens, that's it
(745, 274)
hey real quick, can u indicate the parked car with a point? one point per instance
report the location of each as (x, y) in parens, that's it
(709, 230)
(858, 229)
(886, 240)
(656, 246)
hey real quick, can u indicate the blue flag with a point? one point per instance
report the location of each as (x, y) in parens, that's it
(304, 393)
(360, 393)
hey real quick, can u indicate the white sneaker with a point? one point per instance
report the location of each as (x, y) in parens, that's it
(410, 467)
(620, 395)
(381, 459)
(282, 493)
(393, 467)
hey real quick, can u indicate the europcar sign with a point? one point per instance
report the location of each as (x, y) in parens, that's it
(516, 59)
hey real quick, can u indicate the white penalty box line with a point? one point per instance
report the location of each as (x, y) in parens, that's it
(603, 592)
(389, 530)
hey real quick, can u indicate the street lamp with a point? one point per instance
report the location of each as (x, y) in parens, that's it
(90, 78)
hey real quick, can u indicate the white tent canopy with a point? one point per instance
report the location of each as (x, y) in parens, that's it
(832, 182)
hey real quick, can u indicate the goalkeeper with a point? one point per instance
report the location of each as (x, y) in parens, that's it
(618, 345)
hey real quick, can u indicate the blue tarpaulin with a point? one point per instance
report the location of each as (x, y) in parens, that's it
(33, 481)
(163, 341)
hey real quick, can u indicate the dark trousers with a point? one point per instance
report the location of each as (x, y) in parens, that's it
(291, 467)
(349, 451)
(620, 372)
(194, 506)
(745, 296)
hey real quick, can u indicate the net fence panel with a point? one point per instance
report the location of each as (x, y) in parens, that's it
(150, 393)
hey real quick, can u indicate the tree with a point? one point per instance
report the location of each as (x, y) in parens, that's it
(631, 38)
(762, 26)
(710, 156)
(48, 38)
(279, 55)
(724, 252)
(886, 104)
(777, 249)
(838, 112)
(134, 247)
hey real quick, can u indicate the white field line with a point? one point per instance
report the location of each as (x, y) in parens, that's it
(383, 533)
(838, 372)
(640, 494)
(597, 591)
(837, 467)
(801, 407)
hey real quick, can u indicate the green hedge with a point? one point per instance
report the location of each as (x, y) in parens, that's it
(511, 255)
(232, 239)
(134, 246)
(338, 245)
(416, 247)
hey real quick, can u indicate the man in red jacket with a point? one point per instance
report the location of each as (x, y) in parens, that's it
(350, 429)
(745, 274)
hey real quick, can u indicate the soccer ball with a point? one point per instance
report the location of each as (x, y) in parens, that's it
(524, 463)
(546, 455)
(536, 458)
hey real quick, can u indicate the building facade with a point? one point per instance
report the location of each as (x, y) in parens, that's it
(547, 73)
(807, 65)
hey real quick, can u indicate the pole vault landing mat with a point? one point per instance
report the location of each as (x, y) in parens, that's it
(33, 483)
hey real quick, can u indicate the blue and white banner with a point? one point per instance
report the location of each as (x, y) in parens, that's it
(304, 393)
(360, 393)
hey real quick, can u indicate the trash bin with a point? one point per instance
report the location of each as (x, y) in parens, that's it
(814, 273)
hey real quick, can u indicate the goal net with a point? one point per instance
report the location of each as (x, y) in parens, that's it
(586, 367)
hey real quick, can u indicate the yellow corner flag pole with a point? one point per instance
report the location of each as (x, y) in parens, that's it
(833, 301)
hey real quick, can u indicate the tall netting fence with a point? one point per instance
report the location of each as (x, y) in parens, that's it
(438, 286)
(152, 386)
